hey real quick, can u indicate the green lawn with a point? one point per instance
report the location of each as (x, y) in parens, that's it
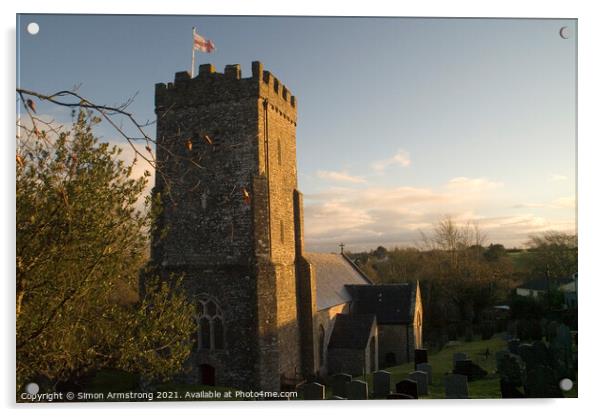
(442, 363)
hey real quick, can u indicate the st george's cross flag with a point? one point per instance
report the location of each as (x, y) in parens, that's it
(202, 44)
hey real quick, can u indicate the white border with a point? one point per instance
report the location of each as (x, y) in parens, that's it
(589, 197)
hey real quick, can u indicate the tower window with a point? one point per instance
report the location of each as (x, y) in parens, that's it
(279, 152)
(210, 325)
(281, 231)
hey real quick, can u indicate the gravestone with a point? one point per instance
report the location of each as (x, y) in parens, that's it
(542, 383)
(509, 390)
(459, 356)
(407, 387)
(562, 352)
(420, 356)
(426, 367)
(357, 390)
(511, 370)
(422, 379)
(456, 386)
(542, 354)
(381, 383)
(397, 396)
(499, 356)
(339, 384)
(527, 354)
(313, 391)
(513, 346)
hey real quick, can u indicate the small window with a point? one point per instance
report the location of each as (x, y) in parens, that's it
(281, 231)
(279, 152)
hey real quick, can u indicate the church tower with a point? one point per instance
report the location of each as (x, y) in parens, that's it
(226, 177)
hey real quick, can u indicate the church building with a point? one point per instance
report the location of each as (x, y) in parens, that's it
(270, 315)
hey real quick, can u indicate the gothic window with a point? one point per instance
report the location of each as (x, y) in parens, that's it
(210, 325)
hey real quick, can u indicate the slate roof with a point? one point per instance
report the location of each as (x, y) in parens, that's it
(351, 331)
(391, 303)
(333, 272)
(541, 284)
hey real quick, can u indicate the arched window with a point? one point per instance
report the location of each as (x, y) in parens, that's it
(321, 345)
(210, 324)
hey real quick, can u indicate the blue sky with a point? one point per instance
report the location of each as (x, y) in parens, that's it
(401, 121)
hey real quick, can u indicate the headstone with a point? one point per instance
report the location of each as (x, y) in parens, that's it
(381, 383)
(513, 346)
(527, 354)
(357, 390)
(542, 383)
(422, 379)
(313, 391)
(339, 384)
(407, 387)
(459, 356)
(397, 396)
(426, 367)
(499, 356)
(550, 332)
(456, 386)
(511, 370)
(463, 367)
(562, 352)
(542, 354)
(420, 356)
(508, 390)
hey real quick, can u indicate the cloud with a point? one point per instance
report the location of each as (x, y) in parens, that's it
(370, 216)
(341, 176)
(558, 178)
(473, 185)
(559, 203)
(401, 158)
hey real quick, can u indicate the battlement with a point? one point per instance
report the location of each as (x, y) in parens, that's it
(212, 86)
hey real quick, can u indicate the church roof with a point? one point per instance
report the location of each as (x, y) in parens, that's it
(391, 303)
(351, 331)
(333, 272)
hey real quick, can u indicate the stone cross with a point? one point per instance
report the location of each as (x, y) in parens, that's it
(456, 386)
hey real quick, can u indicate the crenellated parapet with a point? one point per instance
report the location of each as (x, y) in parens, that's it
(210, 86)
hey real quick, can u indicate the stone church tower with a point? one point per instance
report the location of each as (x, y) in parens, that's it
(227, 181)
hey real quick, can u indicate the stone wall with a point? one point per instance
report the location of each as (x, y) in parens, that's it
(393, 339)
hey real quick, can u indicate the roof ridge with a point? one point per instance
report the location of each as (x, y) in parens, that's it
(357, 268)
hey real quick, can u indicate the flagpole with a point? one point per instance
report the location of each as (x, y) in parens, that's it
(192, 66)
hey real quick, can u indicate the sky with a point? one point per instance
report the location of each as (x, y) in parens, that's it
(401, 121)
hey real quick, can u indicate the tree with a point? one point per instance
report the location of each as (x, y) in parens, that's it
(552, 254)
(81, 244)
(494, 252)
